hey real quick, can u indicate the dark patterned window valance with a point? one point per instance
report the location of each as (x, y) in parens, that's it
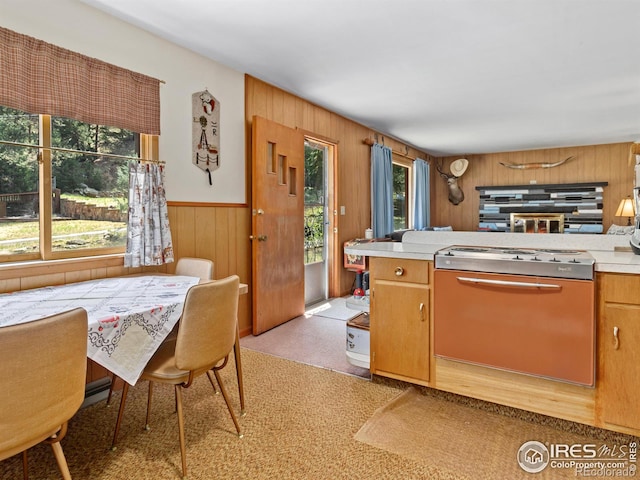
(39, 77)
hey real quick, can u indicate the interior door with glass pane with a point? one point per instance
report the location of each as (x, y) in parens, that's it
(277, 224)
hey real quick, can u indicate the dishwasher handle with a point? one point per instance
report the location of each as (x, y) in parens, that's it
(508, 283)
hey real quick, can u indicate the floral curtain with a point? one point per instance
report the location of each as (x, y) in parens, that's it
(148, 233)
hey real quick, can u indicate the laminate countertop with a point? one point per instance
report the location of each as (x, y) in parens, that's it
(422, 245)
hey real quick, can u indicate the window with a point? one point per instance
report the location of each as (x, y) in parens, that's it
(315, 186)
(402, 193)
(41, 215)
(19, 199)
(60, 203)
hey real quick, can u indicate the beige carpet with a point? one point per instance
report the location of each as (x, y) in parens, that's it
(300, 425)
(463, 439)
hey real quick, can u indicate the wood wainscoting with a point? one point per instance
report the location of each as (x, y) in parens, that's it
(217, 232)
(221, 234)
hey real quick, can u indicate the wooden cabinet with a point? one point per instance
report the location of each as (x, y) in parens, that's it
(400, 318)
(401, 348)
(618, 384)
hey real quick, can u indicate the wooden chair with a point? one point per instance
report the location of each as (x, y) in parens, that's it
(43, 367)
(205, 339)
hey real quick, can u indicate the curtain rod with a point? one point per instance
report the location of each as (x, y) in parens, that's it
(84, 152)
(368, 141)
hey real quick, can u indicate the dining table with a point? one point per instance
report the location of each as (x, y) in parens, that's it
(128, 317)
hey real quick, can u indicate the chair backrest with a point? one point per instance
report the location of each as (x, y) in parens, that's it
(43, 367)
(208, 324)
(195, 267)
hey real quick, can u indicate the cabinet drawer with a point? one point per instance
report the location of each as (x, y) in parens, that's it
(399, 270)
(619, 288)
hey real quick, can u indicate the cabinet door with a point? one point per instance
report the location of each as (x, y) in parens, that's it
(620, 382)
(619, 344)
(400, 330)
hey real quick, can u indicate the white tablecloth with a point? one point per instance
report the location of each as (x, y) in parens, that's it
(128, 316)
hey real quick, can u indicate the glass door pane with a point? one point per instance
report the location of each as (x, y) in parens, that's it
(314, 203)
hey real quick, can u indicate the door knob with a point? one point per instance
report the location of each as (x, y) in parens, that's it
(262, 238)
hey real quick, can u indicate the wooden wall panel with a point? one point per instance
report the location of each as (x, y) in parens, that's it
(353, 156)
(205, 233)
(40, 274)
(592, 163)
(219, 233)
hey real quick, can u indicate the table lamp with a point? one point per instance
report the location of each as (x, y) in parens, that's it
(626, 209)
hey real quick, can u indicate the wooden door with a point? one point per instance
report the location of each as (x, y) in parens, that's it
(277, 225)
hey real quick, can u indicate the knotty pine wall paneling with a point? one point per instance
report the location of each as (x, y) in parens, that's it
(592, 163)
(221, 234)
(352, 165)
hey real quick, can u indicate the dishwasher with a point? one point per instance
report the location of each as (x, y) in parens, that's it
(530, 311)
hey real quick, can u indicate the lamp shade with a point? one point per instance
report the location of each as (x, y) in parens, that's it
(626, 209)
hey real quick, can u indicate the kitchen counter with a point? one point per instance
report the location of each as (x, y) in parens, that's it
(405, 349)
(420, 245)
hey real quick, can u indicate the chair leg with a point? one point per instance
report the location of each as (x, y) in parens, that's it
(236, 353)
(226, 399)
(183, 449)
(125, 390)
(114, 377)
(25, 466)
(62, 461)
(146, 425)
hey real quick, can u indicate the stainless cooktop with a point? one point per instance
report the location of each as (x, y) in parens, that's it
(545, 262)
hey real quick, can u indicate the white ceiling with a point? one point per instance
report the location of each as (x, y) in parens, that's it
(450, 77)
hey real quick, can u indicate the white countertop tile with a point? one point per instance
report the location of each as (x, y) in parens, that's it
(423, 245)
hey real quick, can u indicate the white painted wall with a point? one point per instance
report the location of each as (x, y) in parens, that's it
(73, 25)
